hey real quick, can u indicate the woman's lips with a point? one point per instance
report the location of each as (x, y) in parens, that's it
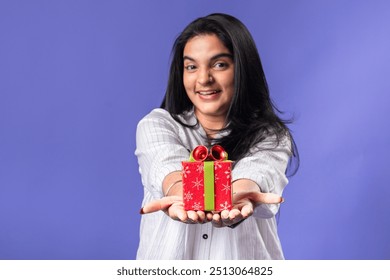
(207, 92)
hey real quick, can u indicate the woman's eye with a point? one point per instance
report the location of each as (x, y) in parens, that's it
(190, 67)
(220, 65)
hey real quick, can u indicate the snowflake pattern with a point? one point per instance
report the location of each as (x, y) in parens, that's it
(225, 206)
(197, 183)
(186, 171)
(226, 187)
(217, 165)
(227, 173)
(200, 168)
(187, 196)
(197, 206)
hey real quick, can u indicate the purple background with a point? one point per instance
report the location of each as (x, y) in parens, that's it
(77, 76)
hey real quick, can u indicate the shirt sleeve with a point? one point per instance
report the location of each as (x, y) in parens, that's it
(158, 149)
(266, 165)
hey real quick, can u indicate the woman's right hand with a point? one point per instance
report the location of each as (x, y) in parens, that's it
(173, 206)
(172, 203)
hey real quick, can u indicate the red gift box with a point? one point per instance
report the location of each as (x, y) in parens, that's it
(207, 181)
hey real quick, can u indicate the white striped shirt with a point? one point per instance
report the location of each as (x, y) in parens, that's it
(162, 144)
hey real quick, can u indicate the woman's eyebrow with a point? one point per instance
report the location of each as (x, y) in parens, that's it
(228, 55)
(217, 56)
(188, 58)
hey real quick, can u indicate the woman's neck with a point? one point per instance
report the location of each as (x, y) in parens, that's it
(211, 124)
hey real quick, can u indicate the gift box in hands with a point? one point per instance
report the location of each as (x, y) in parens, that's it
(207, 180)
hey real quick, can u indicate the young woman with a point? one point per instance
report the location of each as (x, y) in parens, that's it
(216, 94)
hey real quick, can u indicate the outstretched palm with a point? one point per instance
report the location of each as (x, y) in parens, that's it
(243, 206)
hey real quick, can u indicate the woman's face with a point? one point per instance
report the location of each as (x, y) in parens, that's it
(208, 76)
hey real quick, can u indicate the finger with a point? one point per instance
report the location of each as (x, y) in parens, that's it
(234, 213)
(159, 204)
(247, 210)
(201, 216)
(209, 216)
(233, 217)
(225, 218)
(225, 214)
(238, 218)
(177, 213)
(192, 216)
(180, 214)
(217, 221)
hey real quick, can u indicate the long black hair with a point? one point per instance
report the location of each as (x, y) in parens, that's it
(252, 116)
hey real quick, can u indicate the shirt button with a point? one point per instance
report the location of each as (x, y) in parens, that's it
(205, 236)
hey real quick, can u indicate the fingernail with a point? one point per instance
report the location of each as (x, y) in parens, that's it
(142, 211)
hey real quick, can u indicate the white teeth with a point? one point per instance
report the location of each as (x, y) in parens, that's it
(207, 92)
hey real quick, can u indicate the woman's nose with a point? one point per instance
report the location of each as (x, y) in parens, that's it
(205, 77)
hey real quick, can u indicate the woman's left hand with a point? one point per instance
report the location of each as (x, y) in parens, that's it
(243, 206)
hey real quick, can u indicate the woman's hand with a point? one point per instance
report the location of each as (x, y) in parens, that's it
(173, 206)
(246, 195)
(244, 203)
(245, 198)
(172, 203)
